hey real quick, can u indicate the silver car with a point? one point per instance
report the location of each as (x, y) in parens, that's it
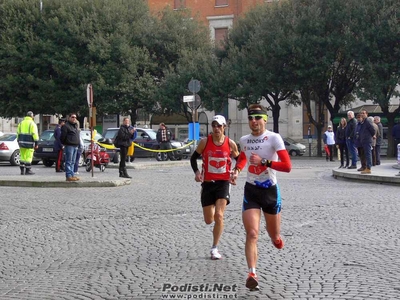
(9, 149)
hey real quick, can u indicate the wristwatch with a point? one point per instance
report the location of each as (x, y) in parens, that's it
(264, 161)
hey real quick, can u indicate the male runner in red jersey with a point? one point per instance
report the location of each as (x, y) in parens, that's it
(216, 151)
(261, 149)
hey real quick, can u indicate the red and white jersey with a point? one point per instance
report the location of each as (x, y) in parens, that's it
(266, 146)
(216, 160)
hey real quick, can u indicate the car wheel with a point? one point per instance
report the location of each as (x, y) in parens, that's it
(81, 160)
(14, 159)
(159, 156)
(48, 163)
(293, 153)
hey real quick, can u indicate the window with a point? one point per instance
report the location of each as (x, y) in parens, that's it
(220, 35)
(221, 2)
(179, 4)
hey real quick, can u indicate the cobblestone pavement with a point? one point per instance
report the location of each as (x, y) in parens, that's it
(148, 240)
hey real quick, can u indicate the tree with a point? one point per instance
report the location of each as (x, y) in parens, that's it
(379, 48)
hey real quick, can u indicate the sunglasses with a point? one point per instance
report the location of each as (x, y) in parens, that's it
(216, 125)
(258, 118)
(73, 117)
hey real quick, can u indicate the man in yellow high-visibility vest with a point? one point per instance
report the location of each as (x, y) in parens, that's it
(27, 136)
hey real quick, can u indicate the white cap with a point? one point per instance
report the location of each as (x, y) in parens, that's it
(219, 119)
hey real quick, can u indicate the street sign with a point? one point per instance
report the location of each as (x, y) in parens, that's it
(194, 86)
(188, 98)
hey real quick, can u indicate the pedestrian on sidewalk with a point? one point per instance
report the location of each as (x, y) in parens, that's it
(216, 151)
(58, 146)
(366, 133)
(164, 136)
(122, 141)
(27, 137)
(329, 141)
(341, 143)
(265, 154)
(70, 138)
(350, 137)
(377, 121)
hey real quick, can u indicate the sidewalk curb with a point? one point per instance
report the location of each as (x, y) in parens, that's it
(40, 182)
(386, 174)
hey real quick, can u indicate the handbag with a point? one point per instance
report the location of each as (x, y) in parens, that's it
(116, 142)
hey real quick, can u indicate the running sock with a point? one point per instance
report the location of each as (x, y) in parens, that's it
(252, 270)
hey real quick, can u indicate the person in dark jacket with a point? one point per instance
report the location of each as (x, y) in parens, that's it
(377, 121)
(341, 143)
(350, 132)
(70, 138)
(123, 140)
(164, 138)
(367, 132)
(357, 143)
(58, 146)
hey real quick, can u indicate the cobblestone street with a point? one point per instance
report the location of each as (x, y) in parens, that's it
(148, 240)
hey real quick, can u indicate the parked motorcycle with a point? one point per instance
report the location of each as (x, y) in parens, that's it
(99, 156)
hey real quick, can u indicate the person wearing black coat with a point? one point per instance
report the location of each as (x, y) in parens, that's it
(366, 134)
(341, 143)
(123, 140)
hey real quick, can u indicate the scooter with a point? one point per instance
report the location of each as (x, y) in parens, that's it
(99, 156)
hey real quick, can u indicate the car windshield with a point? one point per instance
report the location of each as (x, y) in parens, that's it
(47, 135)
(110, 133)
(85, 135)
(8, 137)
(152, 133)
(290, 141)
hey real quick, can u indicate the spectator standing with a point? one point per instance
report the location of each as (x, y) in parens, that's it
(27, 137)
(377, 121)
(341, 143)
(58, 146)
(81, 148)
(350, 132)
(70, 138)
(329, 140)
(374, 138)
(366, 132)
(357, 143)
(396, 137)
(122, 141)
(164, 138)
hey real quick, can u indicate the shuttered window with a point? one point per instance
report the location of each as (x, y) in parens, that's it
(220, 34)
(221, 2)
(179, 4)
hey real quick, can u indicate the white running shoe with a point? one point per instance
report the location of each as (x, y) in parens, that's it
(215, 254)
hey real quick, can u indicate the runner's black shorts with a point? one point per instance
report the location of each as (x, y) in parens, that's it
(211, 191)
(269, 200)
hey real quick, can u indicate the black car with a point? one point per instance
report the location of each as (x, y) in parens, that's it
(147, 138)
(45, 150)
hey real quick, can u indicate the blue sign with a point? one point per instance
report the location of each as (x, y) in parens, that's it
(196, 131)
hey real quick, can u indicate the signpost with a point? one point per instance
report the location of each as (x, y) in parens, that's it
(89, 92)
(194, 86)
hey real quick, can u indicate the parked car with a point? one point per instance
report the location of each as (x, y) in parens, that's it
(294, 148)
(48, 155)
(9, 149)
(147, 138)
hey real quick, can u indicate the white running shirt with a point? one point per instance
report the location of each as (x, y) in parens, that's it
(266, 146)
